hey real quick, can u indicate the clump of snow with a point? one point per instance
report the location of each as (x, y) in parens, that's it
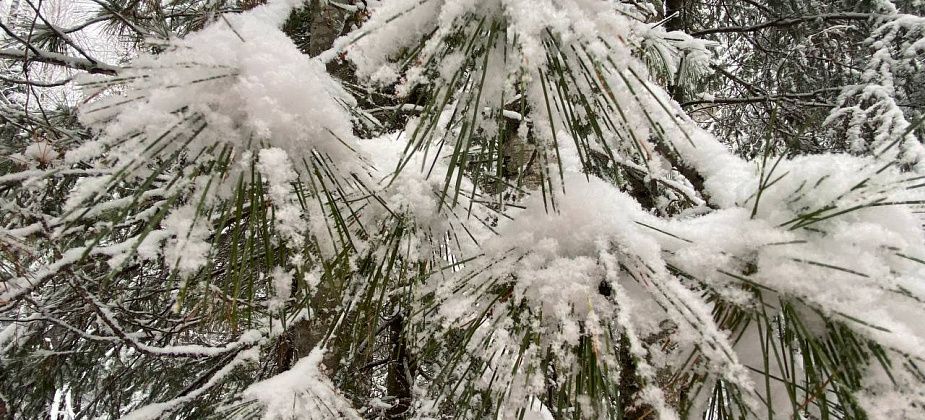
(259, 90)
(187, 247)
(162, 409)
(281, 281)
(409, 191)
(303, 391)
(898, 395)
(84, 190)
(40, 153)
(410, 185)
(276, 168)
(395, 24)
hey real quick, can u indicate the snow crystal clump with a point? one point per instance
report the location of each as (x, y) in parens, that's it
(243, 82)
(301, 392)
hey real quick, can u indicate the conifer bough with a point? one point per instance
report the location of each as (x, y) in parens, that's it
(459, 209)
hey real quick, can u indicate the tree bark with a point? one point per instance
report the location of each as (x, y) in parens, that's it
(674, 11)
(678, 22)
(400, 372)
(327, 24)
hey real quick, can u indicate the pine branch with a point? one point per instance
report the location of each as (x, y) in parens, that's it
(796, 96)
(790, 21)
(49, 57)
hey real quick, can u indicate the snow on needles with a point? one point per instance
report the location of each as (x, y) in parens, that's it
(834, 234)
(303, 391)
(573, 263)
(247, 86)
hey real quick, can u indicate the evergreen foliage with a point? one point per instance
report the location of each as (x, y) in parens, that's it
(462, 209)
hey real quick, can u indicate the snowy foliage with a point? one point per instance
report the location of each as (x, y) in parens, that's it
(541, 232)
(874, 105)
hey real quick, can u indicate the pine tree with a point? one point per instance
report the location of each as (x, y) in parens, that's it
(462, 209)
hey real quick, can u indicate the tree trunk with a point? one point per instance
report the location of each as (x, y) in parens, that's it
(327, 24)
(675, 10)
(678, 23)
(400, 372)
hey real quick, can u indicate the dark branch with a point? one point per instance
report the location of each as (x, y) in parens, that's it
(767, 98)
(789, 21)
